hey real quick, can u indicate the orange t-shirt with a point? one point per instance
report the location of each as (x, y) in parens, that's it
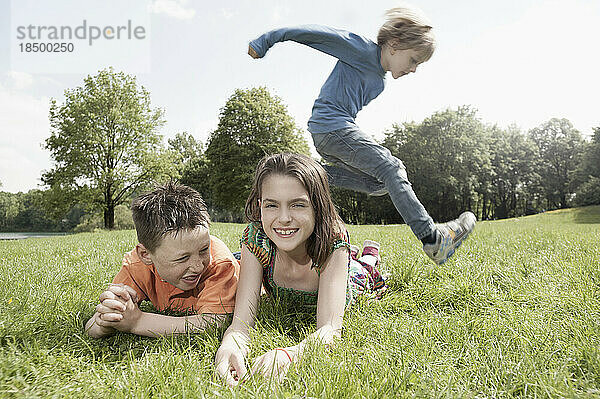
(215, 292)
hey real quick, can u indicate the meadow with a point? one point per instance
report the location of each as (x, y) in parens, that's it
(515, 313)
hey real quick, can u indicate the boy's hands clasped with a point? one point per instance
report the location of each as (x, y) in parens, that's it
(118, 309)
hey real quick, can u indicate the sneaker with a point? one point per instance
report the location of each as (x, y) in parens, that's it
(354, 251)
(371, 247)
(450, 236)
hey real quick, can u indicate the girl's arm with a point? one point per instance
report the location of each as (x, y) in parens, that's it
(330, 313)
(231, 354)
(345, 46)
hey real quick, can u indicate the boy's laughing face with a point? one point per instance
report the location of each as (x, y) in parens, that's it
(181, 257)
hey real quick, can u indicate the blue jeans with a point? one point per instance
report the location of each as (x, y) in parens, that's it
(358, 163)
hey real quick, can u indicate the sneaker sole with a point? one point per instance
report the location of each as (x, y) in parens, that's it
(455, 248)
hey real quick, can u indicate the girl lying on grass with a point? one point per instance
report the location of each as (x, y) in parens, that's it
(297, 247)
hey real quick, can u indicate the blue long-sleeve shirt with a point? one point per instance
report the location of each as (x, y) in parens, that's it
(356, 79)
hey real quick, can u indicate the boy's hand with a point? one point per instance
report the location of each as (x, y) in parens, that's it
(120, 308)
(113, 301)
(124, 317)
(124, 291)
(252, 52)
(98, 328)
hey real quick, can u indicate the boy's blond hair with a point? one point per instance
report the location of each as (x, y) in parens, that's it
(406, 28)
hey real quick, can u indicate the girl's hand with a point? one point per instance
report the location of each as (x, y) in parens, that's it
(273, 364)
(230, 364)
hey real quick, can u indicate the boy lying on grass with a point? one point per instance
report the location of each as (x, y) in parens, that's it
(177, 265)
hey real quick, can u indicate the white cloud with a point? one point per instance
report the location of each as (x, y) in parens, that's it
(227, 13)
(19, 80)
(527, 71)
(173, 8)
(25, 126)
(280, 12)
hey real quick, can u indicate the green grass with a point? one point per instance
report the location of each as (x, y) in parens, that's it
(516, 313)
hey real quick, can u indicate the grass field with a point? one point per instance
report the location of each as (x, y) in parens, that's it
(516, 313)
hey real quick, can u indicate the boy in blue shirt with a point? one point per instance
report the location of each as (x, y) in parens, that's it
(355, 160)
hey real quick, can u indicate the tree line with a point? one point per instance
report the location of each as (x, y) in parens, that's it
(106, 149)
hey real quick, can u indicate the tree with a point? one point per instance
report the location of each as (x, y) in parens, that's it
(444, 157)
(560, 146)
(10, 206)
(186, 148)
(193, 166)
(251, 124)
(514, 180)
(588, 173)
(104, 144)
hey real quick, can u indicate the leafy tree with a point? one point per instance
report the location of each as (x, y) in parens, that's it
(444, 157)
(92, 222)
(186, 148)
(560, 147)
(104, 144)
(33, 217)
(192, 165)
(514, 179)
(25, 212)
(252, 123)
(588, 173)
(359, 208)
(10, 206)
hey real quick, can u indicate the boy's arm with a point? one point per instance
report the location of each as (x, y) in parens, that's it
(346, 46)
(123, 314)
(112, 301)
(153, 324)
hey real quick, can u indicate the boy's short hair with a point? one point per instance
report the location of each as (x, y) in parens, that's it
(170, 207)
(406, 28)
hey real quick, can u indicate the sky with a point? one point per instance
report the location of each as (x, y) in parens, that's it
(517, 62)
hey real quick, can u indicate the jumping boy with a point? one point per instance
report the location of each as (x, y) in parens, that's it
(356, 161)
(177, 265)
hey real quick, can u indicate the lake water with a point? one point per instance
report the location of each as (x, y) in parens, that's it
(21, 236)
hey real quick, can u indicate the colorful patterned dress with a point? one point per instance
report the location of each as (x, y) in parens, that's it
(361, 279)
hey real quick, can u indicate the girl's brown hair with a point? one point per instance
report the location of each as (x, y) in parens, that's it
(314, 179)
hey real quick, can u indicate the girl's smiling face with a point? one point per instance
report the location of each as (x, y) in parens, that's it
(287, 214)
